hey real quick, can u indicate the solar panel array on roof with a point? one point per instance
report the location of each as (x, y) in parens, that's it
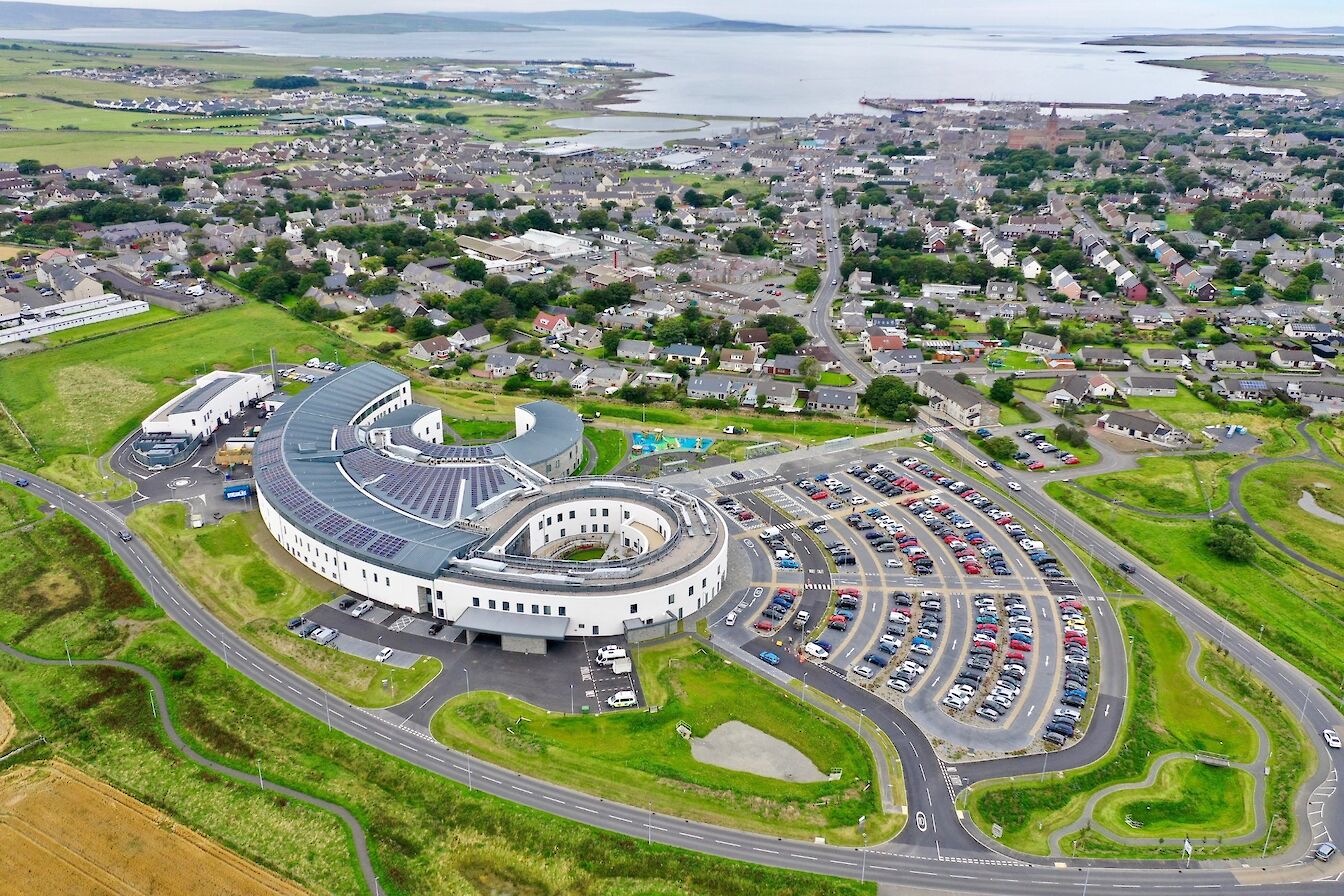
(445, 492)
(405, 436)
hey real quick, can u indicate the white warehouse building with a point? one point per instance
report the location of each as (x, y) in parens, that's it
(353, 481)
(173, 432)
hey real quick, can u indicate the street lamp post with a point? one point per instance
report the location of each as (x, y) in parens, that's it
(260, 781)
(1269, 829)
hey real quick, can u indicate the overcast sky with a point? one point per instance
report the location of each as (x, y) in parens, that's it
(1045, 13)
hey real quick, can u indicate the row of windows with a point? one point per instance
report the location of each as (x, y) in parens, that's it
(515, 606)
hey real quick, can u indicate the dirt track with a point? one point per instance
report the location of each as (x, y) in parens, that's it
(63, 833)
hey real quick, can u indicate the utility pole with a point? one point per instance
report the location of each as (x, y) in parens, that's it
(260, 781)
(68, 660)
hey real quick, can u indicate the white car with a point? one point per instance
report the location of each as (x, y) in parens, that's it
(982, 463)
(730, 619)
(816, 650)
(1013, 486)
(1332, 739)
(384, 655)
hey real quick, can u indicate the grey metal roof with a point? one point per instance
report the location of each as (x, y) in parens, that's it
(200, 396)
(298, 473)
(497, 622)
(557, 429)
(404, 416)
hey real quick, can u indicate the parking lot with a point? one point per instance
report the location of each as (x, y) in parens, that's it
(917, 588)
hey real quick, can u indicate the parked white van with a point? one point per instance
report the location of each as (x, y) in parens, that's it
(610, 654)
(622, 700)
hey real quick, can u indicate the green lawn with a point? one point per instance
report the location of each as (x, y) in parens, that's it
(1179, 221)
(612, 446)
(1011, 359)
(52, 603)
(427, 835)
(1271, 494)
(83, 398)
(638, 758)
(1188, 799)
(1299, 610)
(1189, 484)
(154, 315)
(481, 430)
(74, 148)
(1189, 412)
(1167, 711)
(794, 428)
(831, 378)
(255, 590)
(88, 476)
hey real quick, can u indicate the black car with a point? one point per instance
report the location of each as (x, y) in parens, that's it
(435, 628)
(1128, 567)
(738, 474)
(1060, 728)
(294, 623)
(346, 603)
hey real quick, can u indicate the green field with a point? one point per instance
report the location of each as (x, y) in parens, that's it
(256, 590)
(427, 835)
(638, 758)
(1188, 412)
(1320, 76)
(1271, 494)
(154, 315)
(1188, 799)
(782, 427)
(1011, 359)
(716, 183)
(1179, 221)
(83, 398)
(1167, 711)
(1190, 484)
(1298, 609)
(612, 446)
(481, 430)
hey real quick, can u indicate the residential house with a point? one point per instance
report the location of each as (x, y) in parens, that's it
(636, 350)
(601, 378)
(881, 339)
(1229, 357)
(1143, 425)
(899, 361)
(1149, 386)
(471, 337)
(1166, 358)
(681, 353)
(1302, 329)
(556, 325)
(962, 405)
(1293, 359)
(554, 370)
(715, 385)
(1062, 282)
(777, 394)
(1101, 356)
(436, 348)
(1244, 390)
(830, 398)
(502, 365)
(1040, 344)
(1070, 392)
(738, 360)
(753, 337)
(782, 365)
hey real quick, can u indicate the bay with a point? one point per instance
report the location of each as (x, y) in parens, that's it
(768, 74)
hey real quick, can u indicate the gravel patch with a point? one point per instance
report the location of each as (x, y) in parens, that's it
(742, 748)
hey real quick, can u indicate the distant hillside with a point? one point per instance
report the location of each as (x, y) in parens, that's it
(1264, 38)
(736, 25)
(590, 18)
(50, 16)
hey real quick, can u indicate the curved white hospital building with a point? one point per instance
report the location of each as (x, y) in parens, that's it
(353, 481)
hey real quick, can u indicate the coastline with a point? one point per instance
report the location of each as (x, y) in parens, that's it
(1252, 70)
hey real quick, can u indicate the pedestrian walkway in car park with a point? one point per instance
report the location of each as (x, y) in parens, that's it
(783, 500)
(729, 479)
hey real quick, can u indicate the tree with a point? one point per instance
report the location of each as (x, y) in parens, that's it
(1231, 539)
(28, 166)
(419, 328)
(997, 327)
(1033, 313)
(1000, 447)
(1002, 390)
(469, 269)
(663, 203)
(611, 342)
(781, 344)
(807, 280)
(890, 397)
(306, 309)
(1255, 292)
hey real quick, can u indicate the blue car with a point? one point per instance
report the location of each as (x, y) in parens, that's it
(771, 658)
(789, 564)
(824, 645)
(1075, 692)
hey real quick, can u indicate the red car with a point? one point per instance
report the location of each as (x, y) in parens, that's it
(985, 642)
(904, 611)
(1015, 656)
(1035, 465)
(1070, 604)
(848, 592)
(783, 590)
(972, 569)
(746, 515)
(1072, 461)
(1019, 647)
(821, 495)
(987, 627)
(763, 625)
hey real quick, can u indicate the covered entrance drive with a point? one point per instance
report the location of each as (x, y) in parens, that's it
(517, 632)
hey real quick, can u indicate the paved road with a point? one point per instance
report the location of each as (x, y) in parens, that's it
(960, 870)
(1135, 265)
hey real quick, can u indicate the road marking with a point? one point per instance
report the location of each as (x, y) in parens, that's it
(521, 789)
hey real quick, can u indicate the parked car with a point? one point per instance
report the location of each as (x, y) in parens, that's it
(771, 658)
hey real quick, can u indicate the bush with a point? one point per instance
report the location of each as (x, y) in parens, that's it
(284, 82)
(1232, 540)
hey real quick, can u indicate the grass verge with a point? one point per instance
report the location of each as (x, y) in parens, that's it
(638, 757)
(253, 592)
